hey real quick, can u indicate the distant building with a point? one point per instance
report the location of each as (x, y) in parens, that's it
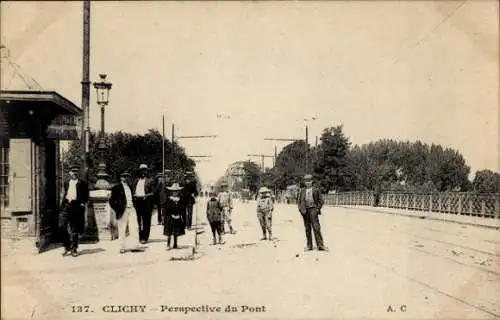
(32, 122)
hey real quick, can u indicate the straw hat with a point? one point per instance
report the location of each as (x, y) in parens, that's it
(174, 187)
(308, 177)
(264, 190)
(143, 167)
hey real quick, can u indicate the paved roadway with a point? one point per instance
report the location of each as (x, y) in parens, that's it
(379, 266)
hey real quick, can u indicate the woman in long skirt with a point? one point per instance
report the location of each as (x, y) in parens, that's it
(174, 224)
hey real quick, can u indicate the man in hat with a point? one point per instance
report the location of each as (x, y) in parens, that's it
(265, 207)
(121, 201)
(190, 191)
(72, 218)
(226, 201)
(143, 192)
(310, 202)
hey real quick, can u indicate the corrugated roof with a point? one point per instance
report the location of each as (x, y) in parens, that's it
(12, 75)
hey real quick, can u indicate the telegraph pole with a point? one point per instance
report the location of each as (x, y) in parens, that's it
(173, 147)
(84, 150)
(184, 137)
(262, 156)
(307, 149)
(163, 144)
(276, 148)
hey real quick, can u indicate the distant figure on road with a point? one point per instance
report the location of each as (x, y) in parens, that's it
(175, 208)
(265, 207)
(226, 201)
(190, 193)
(215, 218)
(310, 202)
(159, 196)
(72, 217)
(121, 202)
(143, 203)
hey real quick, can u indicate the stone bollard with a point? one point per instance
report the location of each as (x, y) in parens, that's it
(104, 215)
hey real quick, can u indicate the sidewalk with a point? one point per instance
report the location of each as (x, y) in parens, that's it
(445, 217)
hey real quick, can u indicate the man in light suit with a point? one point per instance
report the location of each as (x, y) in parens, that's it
(143, 193)
(72, 217)
(121, 201)
(310, 202)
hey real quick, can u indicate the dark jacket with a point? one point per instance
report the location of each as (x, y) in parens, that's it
(190, 192)
(149, 187)
(118, 200)
(301, 199)
(82, 192)
(77, 209)
(149, 190)
(214, 210)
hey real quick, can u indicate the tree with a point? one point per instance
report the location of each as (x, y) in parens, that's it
(331, 163)
(127, 151)
(290, 164)
(251, 176)
(486, 181)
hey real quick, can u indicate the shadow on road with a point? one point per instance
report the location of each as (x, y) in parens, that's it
(91, 251)
(156, 240)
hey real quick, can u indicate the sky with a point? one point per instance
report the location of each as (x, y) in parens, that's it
(397, 69)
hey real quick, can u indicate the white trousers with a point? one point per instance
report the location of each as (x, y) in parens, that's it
(129, 218)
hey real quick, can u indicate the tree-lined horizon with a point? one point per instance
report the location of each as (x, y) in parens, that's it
(381, 165)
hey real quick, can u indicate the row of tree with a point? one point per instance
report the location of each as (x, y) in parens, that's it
(126, 151)
(380, 165)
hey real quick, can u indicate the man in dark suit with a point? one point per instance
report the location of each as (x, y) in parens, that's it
(190, 191)
(121, 201)
(160, 196)
(72, 217)
(143, 193)
(310, 203)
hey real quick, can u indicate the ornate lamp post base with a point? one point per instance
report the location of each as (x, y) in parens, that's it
(100, 203)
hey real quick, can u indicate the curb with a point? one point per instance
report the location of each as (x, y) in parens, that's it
(479, 225)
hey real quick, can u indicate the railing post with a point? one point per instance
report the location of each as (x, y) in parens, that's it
(430, 202)
(497, 208)
(448, 202)
(471, 207)
(460, 198)
(440, 203)
(483, 207)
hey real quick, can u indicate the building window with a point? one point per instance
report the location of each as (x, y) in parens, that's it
(4, 178)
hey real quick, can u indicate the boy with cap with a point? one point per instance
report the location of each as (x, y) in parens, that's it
(226, 202)
(214, 217)
(72, 218)
(265, 207)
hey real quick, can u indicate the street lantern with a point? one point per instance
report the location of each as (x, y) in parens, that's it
(102, 90)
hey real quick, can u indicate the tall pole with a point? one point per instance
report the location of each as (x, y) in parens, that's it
(173, 147)
(162, 144)
(85, 90)
(262, 163)
(275, 155)
(307, 149)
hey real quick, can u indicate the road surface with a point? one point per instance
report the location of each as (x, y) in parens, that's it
(379, 266)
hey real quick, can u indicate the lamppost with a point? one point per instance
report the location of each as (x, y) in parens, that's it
(102, 89)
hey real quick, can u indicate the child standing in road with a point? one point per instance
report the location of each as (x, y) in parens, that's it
(265, 207)
(214, 217)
